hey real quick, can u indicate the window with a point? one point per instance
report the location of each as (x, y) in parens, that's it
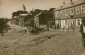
(66, 12)
(77, 10)
(78, 22)
(72, 11)
(83, 9)
(56, 14)
(61, 13)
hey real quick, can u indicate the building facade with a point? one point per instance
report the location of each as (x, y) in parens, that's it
(40, 21)
(19, 19)
(70, 14)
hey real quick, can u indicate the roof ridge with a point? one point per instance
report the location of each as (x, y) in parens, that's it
(69, 4)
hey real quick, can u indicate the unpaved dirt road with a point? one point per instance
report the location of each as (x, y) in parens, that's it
(47, 43)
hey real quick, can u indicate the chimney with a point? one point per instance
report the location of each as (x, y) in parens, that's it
(24, 8)
(71, 1)
(61, 6)
(63, 3)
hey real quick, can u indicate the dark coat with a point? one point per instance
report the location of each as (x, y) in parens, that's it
(81, 28)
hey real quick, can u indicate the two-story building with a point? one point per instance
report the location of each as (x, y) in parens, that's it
(70, 14)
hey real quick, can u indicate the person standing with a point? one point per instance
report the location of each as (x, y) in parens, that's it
(72, 26)
(67, 27)
(82, 31)
(25, 29)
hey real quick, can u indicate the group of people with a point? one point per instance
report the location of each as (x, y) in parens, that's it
(63, 27)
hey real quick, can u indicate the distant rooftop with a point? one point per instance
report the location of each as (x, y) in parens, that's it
(37, 15)
(71, 4)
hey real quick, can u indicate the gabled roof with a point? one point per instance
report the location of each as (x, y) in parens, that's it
(79, 2)
(37, 15)
(15, 17)
(23, 14)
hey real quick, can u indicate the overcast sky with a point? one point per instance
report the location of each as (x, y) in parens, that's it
(9, 6)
